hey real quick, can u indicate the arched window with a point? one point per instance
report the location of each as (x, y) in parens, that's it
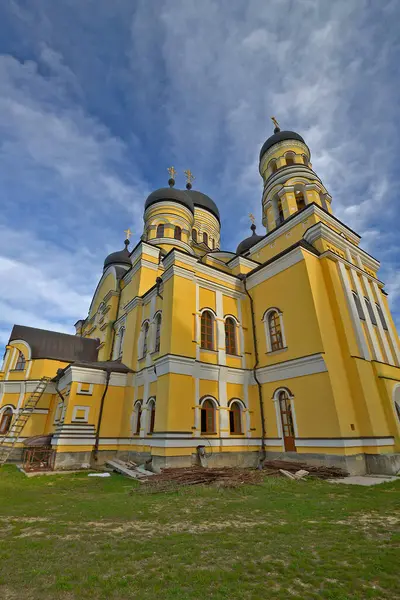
(235, 418)
(145, 335)
(137, 417)
(152, 415)
(275, 331)
(370, 311)
(158, 333)
(287, 423)
(205, 238)
(300, 200)
(6, 420)
(178, 233)
(207, 330)
(194, 235)
(21, 362)
(208, 417)
(230, 336)
(289, 157)
(357, 302)
(273, 166)
(160, 231)
(121, 341)
(381, 316)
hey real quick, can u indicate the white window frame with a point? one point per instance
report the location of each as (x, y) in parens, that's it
(267, 331)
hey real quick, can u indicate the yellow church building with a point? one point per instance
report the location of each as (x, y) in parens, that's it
(284, 348)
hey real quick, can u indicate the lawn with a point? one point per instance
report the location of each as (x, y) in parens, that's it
(74, 537)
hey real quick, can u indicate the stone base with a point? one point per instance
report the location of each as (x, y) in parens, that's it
(383, 464)
(216, 459)
(354, 464)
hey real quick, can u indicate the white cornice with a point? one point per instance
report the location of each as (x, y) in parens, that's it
(89, 375)
(299, 367)
(322, 231)
(279, 265)
(179, 271)
(109, 295)
(144, 248)
(174, 256)
(140, 264)
(240, 261)
(312, 209)
(137, 301)
(172, 242)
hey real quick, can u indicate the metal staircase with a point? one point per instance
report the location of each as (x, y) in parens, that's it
(9, 440)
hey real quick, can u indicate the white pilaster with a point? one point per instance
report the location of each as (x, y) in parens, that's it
(361, 341)
(223, 404)
(376, 350)
(382, 334)
(198, 323)
(241, 333)
(220, 328)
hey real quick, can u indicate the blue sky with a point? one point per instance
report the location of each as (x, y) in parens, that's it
(98, 98)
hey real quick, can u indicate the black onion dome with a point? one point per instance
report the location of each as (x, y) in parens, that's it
(249, 242)
(172, 194)
(204, 201)
(279, 136)
(122, 257)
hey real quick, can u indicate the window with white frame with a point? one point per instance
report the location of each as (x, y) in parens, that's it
(359, 307)
(145, 335)
(370, 311)
(274, 331)
(137, 418)
(230, 336)
(208, 416)
(158, 332)
(235, 418)
(207, 330)
(21, 362)
(381, 316)
(152, 414)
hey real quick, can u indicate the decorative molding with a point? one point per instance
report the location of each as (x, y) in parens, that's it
(298, 367)
(343, 442)
(94, 376)
(240, 261)
(171, 242)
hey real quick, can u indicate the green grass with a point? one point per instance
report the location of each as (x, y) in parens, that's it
(72, 536)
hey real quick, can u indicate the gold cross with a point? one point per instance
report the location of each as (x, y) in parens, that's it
(172, 172)
(128, 233)
(275, 122)
(252, 218)
(189, 176)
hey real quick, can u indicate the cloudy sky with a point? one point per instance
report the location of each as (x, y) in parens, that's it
(98, 98)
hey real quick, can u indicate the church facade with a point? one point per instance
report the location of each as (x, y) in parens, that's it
(286, 347)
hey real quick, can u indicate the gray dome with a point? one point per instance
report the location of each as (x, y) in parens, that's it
(172, 194)
(279, 136)
(122, 257)
(204, 201)
(249, 242)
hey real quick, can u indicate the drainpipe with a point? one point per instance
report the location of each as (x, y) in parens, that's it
(96, 443)
(260, 394)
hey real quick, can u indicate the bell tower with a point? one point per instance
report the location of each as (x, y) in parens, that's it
(290, 183)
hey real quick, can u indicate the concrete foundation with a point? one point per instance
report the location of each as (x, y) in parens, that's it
(354, 464)
(384, 464)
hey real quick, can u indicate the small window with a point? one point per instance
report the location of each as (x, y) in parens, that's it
(6, 420)
(145, 335)
(194, 235)
(178, 233)
(207, 330)
(289, 157)
(273, 166)
(358, 305)
(152, 409)
(138, 417)
(275, 333)
(205, 238)
(235, 418)
(160, 231)
(208, 417)
(370, 311)
(381, 316)
(230, 336)
(158, 333)
(21, 362)
(281, 216)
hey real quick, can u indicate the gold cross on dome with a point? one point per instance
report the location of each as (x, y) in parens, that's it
(172, 172)
(252, 218)
(128, 233)
(189, 176)
(275, 122)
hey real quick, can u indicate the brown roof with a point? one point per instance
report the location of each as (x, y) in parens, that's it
(55, 345)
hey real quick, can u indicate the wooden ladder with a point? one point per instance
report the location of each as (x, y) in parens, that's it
(9, 440)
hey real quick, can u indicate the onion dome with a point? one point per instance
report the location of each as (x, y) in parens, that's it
(170, 194)
(203, 201)
(279, 136)
(122, 257)
(249, 242)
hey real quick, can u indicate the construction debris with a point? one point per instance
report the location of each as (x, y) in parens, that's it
(170, 479)
(129, 468)
(293, 468)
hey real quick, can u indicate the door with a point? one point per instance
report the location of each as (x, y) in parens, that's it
(287, 422)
